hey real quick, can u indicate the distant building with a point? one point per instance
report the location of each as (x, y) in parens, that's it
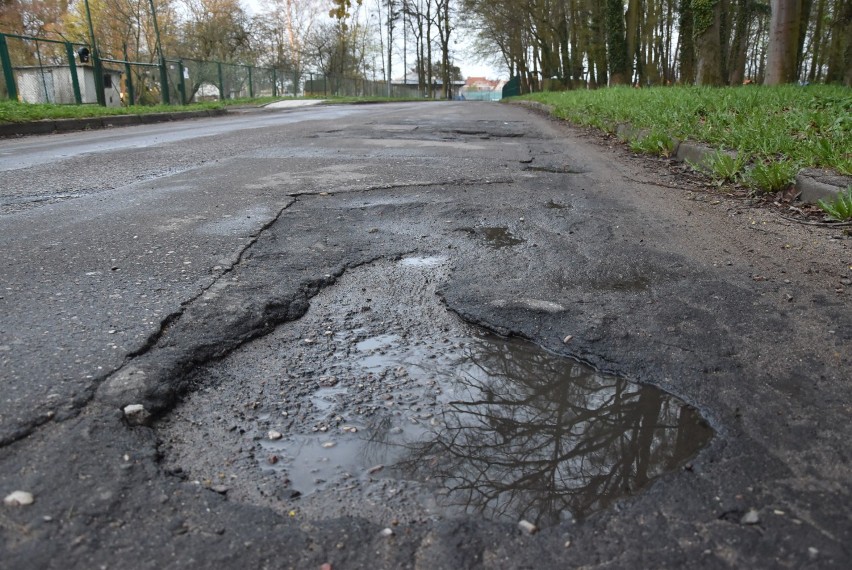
(410, 87)
(52, 84)
(482, 89)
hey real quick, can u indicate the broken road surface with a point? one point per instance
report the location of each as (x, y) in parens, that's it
(200, 322)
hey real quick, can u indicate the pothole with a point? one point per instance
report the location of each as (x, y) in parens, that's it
(496, 237)
(379, 403)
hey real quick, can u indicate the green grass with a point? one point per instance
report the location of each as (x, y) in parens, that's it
(840, 208)
(15, 112)
(790, 125)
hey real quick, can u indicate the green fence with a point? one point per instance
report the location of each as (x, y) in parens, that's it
(43, 71)
(319, 85)
(39, 70)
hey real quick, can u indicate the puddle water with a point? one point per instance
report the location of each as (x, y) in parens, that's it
(530, 435)
(497, 237)
(515, 432)
(407, 413)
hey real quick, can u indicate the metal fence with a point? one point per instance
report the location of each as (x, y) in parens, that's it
(483, 95)
(42, 71)
(39, 70)
(319, 85)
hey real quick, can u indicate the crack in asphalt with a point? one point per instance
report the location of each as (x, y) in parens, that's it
(76, 405)
(236, 259)
(403, 186)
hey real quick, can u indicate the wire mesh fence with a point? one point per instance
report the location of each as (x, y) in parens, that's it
(39, 70)
(331, 85)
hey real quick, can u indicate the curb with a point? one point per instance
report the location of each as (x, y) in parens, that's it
(50, 126)
(812, 184)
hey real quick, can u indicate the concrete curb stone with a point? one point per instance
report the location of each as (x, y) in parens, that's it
(821, 184)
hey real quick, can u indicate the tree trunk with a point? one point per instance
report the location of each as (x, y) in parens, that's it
(707, 22)
(687, 43)
(739, 45)
(840, 50)
(632, 17)
(619, 73)
(783, 42)
(816, 42)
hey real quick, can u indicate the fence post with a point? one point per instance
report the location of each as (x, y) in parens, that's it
(164, 81)
(72, 69)
(8, 74)
(97, 65)
(222, 95)
(181, 83)
(251, 87)
(128, 79)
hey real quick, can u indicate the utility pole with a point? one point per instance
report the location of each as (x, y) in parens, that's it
(97, 67)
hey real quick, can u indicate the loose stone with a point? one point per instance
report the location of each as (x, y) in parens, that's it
(19, 499)
(136, 414)
(813, 553)
(751, 517)
(527, 527)
(273, 435)
(387, 532)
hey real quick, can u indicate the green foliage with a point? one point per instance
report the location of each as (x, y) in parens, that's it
(702, 15)
(15, 112)
(810, 126)
(840, 208)
(724, 167)
(654, 143)
(771, 176)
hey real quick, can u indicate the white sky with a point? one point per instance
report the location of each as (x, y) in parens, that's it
(468, 64)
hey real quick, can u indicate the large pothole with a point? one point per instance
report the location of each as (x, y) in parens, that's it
(382, 404)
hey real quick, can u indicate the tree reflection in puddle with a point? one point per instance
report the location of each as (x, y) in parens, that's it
(530, 435)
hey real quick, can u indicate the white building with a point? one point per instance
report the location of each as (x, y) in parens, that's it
(52, 84)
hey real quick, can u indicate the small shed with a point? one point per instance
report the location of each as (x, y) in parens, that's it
(53, 84)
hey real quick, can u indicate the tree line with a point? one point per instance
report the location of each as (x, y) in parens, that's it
(549, 44)
(342, 40)
(566, 43)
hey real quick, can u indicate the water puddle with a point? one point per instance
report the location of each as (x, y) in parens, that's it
(407, 413)
(530, 435)
(514, 432)
(496, 237)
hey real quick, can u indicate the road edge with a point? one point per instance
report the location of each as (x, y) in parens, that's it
(51, 126)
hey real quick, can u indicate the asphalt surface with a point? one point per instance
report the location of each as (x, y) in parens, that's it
(152, 265)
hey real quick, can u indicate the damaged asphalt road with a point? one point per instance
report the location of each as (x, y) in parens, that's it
(315, 283)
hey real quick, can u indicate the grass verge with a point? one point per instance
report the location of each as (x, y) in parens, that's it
(793, 126)
(15, 112)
